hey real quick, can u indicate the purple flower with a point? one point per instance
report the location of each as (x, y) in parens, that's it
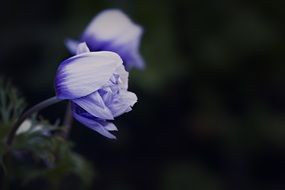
(112, 30)
(97, 85)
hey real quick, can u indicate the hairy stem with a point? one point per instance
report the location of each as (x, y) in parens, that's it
(28, 113)
(68, 119)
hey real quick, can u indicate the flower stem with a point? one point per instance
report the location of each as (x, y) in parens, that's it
(68, 119)
(28, 113)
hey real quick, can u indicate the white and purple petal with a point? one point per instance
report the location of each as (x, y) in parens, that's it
(82, 48)
(71, 45)
(85, 73)
(107, 95)
(94, 104)
(112, 30)
(122, 103)
(108, 25)
(123, 77)
(101, 126)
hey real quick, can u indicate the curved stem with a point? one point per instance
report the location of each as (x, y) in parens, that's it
(28, 113)
(68, 119)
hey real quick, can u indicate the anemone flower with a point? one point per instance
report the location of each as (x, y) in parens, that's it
(112, 30)
(97, 85)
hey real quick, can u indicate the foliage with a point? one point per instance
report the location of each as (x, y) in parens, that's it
(40, 156)
(11, 104)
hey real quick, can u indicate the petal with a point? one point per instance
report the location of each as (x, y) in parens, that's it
(109, 24)
(24, 127)
(83, 74)
(135, 60)
(71, 45)
(128, 49)
(82, 48)
(110, 126)
(128, 109)
(112, 30)
(130, 38)
(94, 104)
(122, 105)
(97, 125)
(124, 76)
(107, 95)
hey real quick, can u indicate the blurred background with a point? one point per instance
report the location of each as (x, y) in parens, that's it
(211, 109)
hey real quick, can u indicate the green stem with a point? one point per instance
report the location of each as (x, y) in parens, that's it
(68, 119)
(28, 113)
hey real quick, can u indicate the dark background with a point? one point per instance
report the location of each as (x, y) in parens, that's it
(211, 103)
